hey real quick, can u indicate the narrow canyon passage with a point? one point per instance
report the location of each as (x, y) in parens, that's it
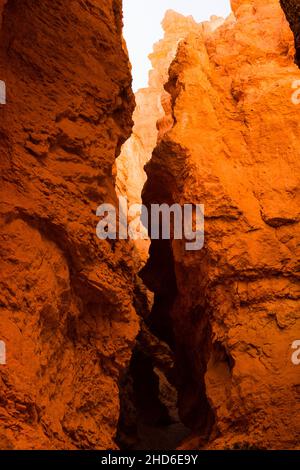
(149, 409)
(115, 343)
(200, 298)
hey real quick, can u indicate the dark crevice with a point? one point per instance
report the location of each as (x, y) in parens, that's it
(149, 418)
(159, 276)
(162, 353)
(291, 9)
(193, 349)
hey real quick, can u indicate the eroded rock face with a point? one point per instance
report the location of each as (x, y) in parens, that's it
(149, 417)
(149, 117)
(150, 101)
(67, 313)
(292, 11)
(232, 310)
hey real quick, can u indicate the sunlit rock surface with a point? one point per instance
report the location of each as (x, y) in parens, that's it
(232, 310)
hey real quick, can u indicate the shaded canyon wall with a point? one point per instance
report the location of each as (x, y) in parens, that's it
(66, 300)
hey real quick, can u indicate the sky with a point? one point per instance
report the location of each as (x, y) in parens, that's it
(142, 27)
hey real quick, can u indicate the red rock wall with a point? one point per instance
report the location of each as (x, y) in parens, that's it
(149, 116)
(229, 139)
(66, 298)
(231, 310)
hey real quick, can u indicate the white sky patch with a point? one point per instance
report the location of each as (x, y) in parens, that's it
(142, 27)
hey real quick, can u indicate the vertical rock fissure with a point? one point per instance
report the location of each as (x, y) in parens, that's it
(149, 417)
(196, 296)
(188, 336)
(233, 317)
(153, 119)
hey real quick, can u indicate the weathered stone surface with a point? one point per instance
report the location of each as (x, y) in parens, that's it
(67, 313)
(229, 138)
(137, 151)
(149, 115)
(232, 310)
(149, 415)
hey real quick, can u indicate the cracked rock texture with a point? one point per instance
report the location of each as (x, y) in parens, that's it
(232, 310)
(149, 114)
(66, 298)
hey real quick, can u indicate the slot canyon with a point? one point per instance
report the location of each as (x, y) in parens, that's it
(141, 344)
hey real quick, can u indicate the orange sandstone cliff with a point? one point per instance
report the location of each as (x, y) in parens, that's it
(66, 298)
(149, 415)
(210, 365)
(230, 312)
(149, 116)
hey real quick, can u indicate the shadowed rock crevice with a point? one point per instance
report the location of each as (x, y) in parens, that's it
(149, 413)
(159, 276)
(292, 11)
